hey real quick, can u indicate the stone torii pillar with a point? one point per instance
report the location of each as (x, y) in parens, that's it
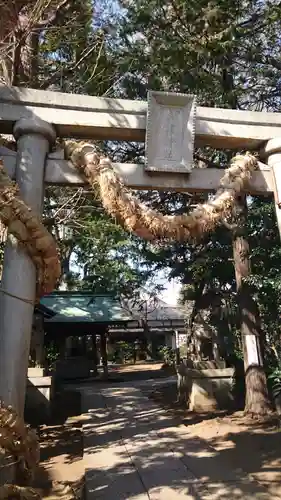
(272, 151)
(34, 138)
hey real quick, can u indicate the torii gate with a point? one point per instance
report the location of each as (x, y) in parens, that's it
(36, 117)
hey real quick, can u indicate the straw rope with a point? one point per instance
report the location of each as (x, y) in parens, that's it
(31, 234)
(136, 217)
(20, 442)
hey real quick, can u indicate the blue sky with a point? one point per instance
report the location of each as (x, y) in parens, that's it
(106, 9)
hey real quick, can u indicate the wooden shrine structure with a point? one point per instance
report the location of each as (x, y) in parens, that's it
(36, 118)
(96, 319)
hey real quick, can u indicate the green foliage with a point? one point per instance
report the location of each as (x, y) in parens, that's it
(51, 354)
(111, 258)
(123, 352)
(265, 278)
(275, 382)
(73, 53)
(167, 354)
(216, 49)
(97, 254)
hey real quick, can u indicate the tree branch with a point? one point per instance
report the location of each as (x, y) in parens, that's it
(66, 71)
(54, 15)
(227, 225)
(203, 159)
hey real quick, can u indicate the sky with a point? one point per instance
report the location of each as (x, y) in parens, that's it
(171, 288)
(171, 292)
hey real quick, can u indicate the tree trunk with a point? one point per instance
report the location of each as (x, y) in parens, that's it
(25, 72)
(19, 37)
(257, 400)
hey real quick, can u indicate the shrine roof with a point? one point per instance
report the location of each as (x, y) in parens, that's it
(83, 307)
(86, 307)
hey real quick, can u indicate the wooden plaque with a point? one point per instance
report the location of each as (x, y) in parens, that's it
(170, 132)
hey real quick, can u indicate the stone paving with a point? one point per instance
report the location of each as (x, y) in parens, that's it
(133, 450)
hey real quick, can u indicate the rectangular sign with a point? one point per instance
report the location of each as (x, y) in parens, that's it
(170, 132)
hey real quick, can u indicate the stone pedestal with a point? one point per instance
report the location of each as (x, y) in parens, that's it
(36, 372)
(72, 368)
(206, 390)
(39, 396)
(207, 365)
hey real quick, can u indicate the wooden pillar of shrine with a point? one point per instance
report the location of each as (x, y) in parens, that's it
(95, 353)
(84, 345)
(37, 353)
(103, 349)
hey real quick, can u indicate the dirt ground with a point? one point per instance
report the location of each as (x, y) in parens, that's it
(251, 445)
(140, 370)
(139, 366)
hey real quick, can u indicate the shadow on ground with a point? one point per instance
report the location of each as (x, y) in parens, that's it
(61, 470)
(134, 446)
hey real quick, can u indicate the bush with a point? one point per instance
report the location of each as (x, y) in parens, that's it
(167, 355)
(123, 351)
